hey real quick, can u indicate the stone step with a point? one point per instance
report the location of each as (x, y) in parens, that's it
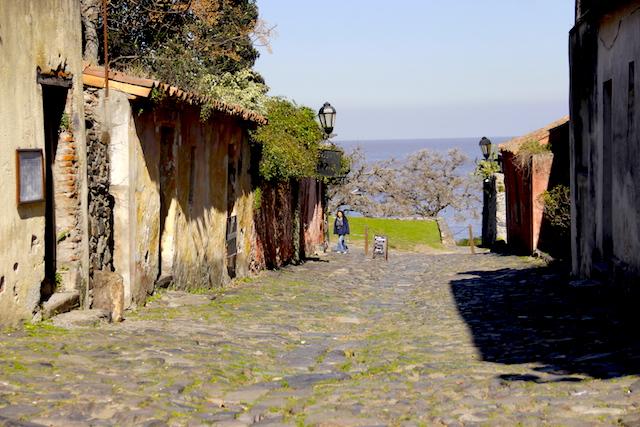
(60, 302)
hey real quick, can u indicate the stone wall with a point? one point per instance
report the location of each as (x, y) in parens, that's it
(100, 202)
(494, 210)
(446, 237)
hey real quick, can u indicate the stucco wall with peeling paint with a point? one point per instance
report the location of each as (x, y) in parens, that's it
(44, 35)
(605, 59)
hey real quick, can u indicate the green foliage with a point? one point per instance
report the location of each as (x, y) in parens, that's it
(533, 147)
(43, 329)
(65, 122)
(58, 279)
(244, 88)
(257, 198)
(206, 46)
(181, 40)
(477, 241)
(63, 235)
(557, 206)
(522, 158)
(290, 142)
(407, 235)
(486, 168)
(157, 96)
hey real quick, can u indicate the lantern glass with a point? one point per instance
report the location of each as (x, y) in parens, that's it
(485, 147)
(327, 117)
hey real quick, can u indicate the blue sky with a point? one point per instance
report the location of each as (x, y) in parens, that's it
(423, 68)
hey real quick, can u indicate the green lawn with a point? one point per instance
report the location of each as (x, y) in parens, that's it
(408, 235)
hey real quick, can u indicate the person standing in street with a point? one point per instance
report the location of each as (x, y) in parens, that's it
(341, 228)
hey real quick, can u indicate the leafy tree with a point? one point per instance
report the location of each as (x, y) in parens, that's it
(423, 186)
(243, 88)
(290, 142)
(357, 189)
(188, 43)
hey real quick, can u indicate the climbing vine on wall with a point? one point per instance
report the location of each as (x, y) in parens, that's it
(290, 142)
(557, 206)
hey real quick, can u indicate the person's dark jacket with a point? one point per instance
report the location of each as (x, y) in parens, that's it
(341, 230)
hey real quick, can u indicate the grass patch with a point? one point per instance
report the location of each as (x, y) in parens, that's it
(407, 235)
(43, 330)
(477, 241)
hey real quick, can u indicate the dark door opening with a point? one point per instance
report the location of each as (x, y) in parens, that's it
(232, 220)
(53, 103)
(167, 200)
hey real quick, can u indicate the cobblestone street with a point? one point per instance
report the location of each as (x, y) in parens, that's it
(345, 341)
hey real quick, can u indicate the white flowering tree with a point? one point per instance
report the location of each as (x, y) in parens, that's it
(423, 185)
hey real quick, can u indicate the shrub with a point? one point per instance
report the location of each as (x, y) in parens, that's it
(290, 142)
(486, 168)
(525, 153)
(557, 206)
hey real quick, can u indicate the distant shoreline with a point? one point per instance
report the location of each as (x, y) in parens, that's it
(457, 138)
(384, 149)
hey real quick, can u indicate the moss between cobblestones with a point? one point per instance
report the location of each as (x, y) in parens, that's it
(43, 330)
(410, 361)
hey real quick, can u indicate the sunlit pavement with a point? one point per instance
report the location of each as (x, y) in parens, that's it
(418, 340)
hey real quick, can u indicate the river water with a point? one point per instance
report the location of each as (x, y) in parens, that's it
(399, 149)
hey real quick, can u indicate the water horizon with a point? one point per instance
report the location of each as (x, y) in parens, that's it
(384, 149)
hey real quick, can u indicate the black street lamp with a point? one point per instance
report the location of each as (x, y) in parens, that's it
(486, 147)
(327, 116)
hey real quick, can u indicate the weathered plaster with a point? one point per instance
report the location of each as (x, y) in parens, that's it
(116, 117)
(155, 153)
(602, 47)
(312, 215)
(44, 34)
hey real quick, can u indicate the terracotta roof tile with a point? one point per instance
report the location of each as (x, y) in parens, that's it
(541, 136)
(94, 76)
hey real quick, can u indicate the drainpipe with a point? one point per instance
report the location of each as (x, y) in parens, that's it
(105, 42)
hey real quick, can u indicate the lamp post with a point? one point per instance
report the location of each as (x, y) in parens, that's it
(327, 117)
(494, 201)
(486, 147)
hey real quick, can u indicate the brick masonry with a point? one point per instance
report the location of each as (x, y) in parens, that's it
(66, 175)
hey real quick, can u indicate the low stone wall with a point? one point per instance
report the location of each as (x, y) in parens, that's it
(100, 200)
(446, 237)
(494, 210)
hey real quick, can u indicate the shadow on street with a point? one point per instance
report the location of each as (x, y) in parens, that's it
(533, 316)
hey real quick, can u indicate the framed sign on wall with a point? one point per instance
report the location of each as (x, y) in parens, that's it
(30, 168)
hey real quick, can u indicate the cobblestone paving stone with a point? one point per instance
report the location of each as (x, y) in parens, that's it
(421, 340)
